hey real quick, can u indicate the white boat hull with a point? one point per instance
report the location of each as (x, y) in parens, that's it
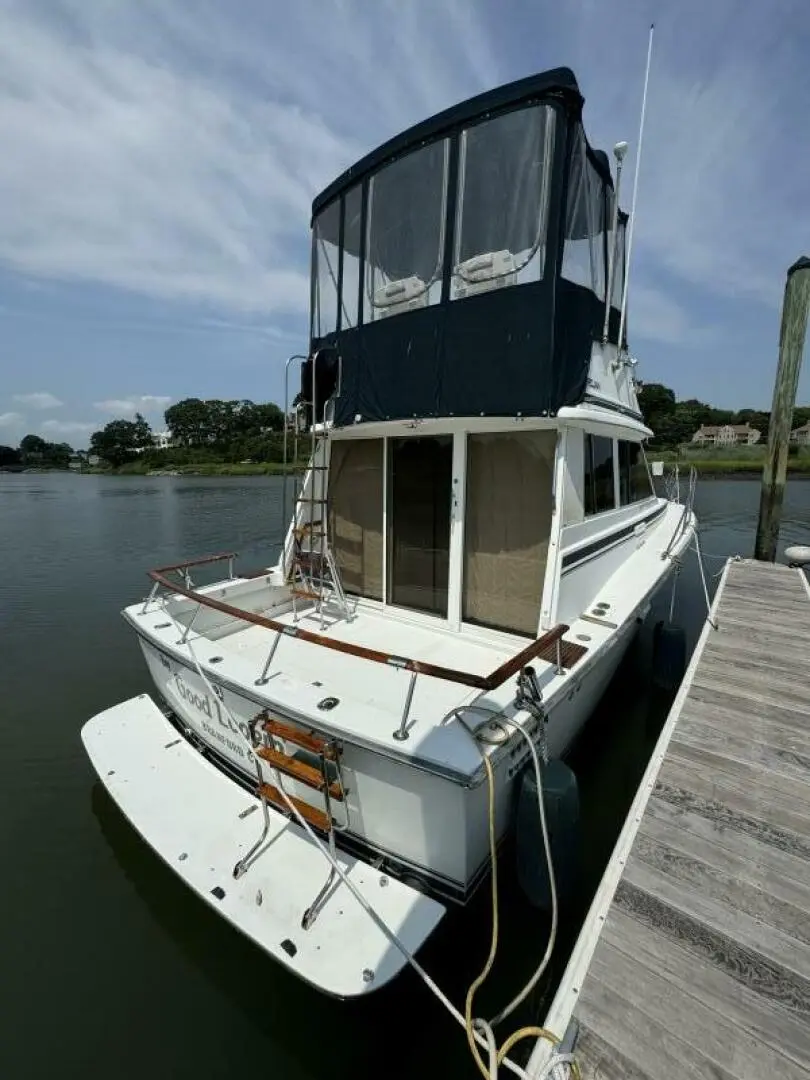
(200, 823)
(418, 818)
(432, 828)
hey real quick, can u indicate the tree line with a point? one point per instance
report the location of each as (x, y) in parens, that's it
(238, 430)
(35, 452)
(201, 431)
(675, 422)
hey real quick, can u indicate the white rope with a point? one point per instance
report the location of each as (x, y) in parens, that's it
(703, 580)
(555, 1059)
(677, 564)
(552, 934)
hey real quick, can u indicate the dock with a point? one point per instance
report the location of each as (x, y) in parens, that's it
(694, 960)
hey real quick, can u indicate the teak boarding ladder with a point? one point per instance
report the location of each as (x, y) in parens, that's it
(315, 764)
(314, 575)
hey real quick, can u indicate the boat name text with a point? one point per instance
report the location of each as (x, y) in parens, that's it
(203, 704)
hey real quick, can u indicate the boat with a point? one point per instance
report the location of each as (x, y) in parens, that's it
(339, 738)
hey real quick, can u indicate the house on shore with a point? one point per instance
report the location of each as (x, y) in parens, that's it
(726, 435)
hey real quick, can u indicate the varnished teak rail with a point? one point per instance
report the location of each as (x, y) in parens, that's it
(549, 643)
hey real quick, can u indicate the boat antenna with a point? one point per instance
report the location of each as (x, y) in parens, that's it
(619, 150)
(635, 192)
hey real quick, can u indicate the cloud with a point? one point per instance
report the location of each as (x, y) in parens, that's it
(40, 400)
(11, 419)
(66, 427)
(657, 316)
(136, 403)
(176, 153)
(125, 170)
(725, 169)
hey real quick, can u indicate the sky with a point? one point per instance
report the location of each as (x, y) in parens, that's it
(159, 159)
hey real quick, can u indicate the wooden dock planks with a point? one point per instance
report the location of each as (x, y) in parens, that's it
(702, 968)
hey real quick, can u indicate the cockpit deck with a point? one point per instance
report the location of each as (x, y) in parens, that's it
(385, 678)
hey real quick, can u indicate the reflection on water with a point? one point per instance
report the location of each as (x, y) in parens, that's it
(102, 943)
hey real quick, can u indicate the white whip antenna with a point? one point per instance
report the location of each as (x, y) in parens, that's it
(635, 190)
(619, 150)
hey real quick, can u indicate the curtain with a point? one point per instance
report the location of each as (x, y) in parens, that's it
(355, 514)
(507, 526)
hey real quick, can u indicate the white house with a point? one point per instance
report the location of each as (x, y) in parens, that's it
(801, 435)
(162, 440)
(726, 435)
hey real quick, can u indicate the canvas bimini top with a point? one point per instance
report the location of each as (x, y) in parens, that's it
(460, 269)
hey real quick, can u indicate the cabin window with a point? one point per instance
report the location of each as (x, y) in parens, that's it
(585, 216)
(405, 233)
(355, 514)
(502, 201)
(420, 479)
(634, 477)
(325, 271)
(352, 246)
(599, 491)
(509, 499)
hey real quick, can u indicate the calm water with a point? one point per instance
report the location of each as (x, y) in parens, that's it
(108, 964)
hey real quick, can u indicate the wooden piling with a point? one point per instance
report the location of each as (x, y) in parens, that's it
(791, 346)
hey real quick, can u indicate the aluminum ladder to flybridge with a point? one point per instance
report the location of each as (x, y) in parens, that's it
(314, 575)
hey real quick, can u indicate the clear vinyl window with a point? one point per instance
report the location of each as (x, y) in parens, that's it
(585, 223)
(405, 233)
(504, 183)
(325, 270)
(352, 248)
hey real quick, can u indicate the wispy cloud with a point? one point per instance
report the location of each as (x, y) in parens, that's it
(176, 152)
(725, 171)
(39, 400)
(11, 419)
(66, 427)
(173, 150)
(657, 316)
(136, 403)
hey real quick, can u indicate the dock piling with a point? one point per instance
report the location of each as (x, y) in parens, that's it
(791, 346)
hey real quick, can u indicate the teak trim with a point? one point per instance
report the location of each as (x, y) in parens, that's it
(467, 678)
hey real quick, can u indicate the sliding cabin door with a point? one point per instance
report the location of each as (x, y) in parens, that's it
(508, 508)
(419, 485)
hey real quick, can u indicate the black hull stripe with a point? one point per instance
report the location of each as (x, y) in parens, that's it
(573, 558)
(612, 406)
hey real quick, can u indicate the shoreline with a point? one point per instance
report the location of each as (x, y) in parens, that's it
(709, 470)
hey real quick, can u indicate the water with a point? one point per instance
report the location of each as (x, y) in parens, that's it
(108, 963)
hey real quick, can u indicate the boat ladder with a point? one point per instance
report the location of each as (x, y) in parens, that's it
(315, 764)
(314, 573)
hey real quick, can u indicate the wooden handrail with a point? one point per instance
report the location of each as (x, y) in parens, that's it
(195, 562)
(465, 678)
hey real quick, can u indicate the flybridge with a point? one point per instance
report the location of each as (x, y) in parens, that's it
(461, 269)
